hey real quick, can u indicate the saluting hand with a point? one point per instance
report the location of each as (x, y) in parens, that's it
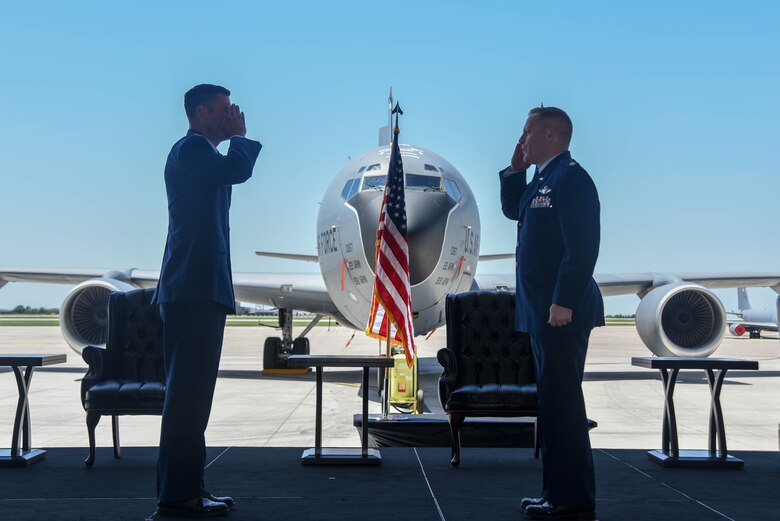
(518, 160)
(234, 121)
(559, 316)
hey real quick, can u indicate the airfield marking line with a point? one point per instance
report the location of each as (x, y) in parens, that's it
(667, 485)
(281, 424)
(435, 501)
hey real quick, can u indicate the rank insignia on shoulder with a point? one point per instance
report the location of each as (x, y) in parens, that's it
(541, 201)
(545, 190)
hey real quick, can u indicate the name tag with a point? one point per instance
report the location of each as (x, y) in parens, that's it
(541, 201)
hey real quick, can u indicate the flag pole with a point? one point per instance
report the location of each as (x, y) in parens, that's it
(386, 401)
(388, 345)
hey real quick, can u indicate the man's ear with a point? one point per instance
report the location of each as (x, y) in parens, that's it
(202, 112)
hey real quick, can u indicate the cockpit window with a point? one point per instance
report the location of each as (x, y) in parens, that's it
(373, 167)
(350, 189)
(374, 182)
(431, 168)
(362, 169)
(452, 189)
(423, 182)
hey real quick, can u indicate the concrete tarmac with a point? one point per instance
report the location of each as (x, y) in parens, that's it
(254, 410)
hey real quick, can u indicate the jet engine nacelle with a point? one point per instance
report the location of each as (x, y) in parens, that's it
(737, 329)
(681, 319)
(84, 312)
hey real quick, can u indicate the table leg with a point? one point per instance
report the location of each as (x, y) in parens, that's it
(318, 421)
(364, 445)
(21, 429)
(670, 454)
(717, 427)
(669, 441)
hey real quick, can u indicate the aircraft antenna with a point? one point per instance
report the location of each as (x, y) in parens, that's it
(385, 137)
(390, 109)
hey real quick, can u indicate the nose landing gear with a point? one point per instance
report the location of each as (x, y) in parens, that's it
(277, 350)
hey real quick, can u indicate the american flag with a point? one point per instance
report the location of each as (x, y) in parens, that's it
(391, 305)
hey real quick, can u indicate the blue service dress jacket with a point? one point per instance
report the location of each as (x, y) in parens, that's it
(198, 182)
(558, 234)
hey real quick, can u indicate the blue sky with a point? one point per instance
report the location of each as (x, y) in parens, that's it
(674, 106)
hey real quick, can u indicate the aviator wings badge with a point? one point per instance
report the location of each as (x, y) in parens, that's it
(545, 190)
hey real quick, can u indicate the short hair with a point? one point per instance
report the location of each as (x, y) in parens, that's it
(556, 118)
(202, 94)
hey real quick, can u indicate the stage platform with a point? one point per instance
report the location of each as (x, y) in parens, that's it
(433, 430)
(411, 484)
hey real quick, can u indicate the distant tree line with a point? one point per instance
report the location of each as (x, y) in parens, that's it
(27, 310)
(621, 316)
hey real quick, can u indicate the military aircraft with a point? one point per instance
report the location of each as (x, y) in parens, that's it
(752, 321)
(678, 315)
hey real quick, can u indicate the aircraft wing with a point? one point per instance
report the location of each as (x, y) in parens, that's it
(766, 326)
(54, 275)
(640, 283)
(300, 291)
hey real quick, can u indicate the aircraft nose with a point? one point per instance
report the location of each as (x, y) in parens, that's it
(426, 219)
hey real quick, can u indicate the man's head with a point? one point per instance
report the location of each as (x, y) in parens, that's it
(547, 133)
(206, 106)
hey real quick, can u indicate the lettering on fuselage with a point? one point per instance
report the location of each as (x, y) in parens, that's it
(326, 241)
(471, 247)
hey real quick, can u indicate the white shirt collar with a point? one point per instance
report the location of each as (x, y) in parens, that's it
(543, 165)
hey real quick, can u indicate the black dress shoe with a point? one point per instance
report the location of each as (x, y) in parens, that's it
(219, 499)
(560, 512)
(528, 501)
(195, 507)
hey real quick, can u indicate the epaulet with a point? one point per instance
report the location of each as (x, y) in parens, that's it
(573, 165)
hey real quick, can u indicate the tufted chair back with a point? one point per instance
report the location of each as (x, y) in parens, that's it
(488, 367)
(481, 333)
(135, 337)
(128, 376)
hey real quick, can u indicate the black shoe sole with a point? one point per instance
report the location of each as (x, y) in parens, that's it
(574, 516)
(168, 512)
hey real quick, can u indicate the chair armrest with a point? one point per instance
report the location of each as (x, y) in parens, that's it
(93, 356)
(449, 363)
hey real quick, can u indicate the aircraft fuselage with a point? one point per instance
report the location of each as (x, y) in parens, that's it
(443, 231)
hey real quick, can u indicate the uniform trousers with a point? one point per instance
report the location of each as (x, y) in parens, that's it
(567, 461)
(193, 332)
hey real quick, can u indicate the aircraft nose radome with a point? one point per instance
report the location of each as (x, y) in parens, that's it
(426, 219)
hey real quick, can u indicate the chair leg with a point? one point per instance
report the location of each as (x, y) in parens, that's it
(456, 420)
(536, 438)
(115, 432)
(92, 420)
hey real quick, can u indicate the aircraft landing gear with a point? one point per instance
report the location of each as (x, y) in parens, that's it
(755, 333)
(277, 350)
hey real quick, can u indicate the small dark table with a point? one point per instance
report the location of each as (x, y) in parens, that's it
(340, 456)
(16, 457)
(670, 454)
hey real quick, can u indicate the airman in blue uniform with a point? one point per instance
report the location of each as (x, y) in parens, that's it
(558, 302)
(195, 291)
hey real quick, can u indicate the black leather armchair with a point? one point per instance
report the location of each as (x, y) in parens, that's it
(488, 366)
(128, 376)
